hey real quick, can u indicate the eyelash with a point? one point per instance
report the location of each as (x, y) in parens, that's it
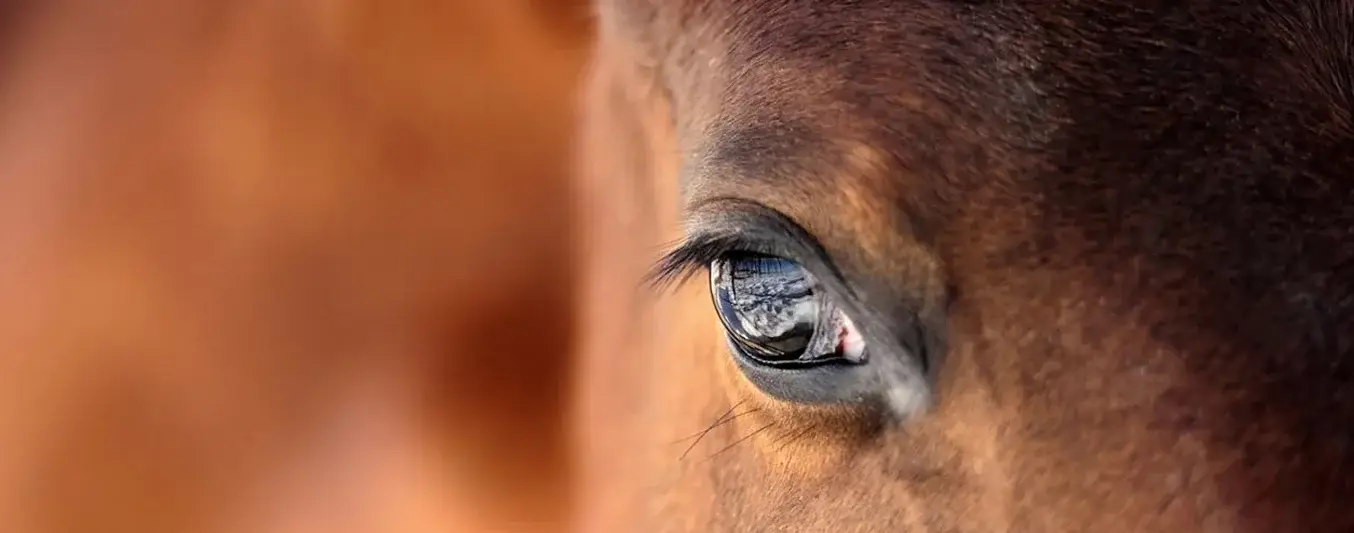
(693, 256)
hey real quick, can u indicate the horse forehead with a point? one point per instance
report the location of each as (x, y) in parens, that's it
(782, 88)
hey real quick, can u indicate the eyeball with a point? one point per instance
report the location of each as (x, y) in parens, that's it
(777, 315)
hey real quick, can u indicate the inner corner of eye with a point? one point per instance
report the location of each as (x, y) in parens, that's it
(850, 343)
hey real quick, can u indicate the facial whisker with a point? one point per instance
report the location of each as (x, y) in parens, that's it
(718, 420)
(714, 425)
(740, 441)
(724, 419)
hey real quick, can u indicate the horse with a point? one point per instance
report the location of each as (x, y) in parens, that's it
(951, 266)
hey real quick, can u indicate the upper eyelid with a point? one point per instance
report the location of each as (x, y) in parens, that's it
(685, 260)
(695, 253)
(742, 225)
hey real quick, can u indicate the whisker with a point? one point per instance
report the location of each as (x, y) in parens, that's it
(707, 432)
(740, 441)
(718, 420)
(715, 425)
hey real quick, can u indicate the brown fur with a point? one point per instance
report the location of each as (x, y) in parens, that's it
(1130, 225)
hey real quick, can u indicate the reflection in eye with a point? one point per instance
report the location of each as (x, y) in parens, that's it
(775, 312)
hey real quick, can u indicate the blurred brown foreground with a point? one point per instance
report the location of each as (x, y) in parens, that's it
(285, 266)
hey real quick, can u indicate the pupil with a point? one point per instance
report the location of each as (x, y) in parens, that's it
(767, 304)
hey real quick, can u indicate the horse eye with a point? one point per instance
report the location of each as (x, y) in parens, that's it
(776, 314)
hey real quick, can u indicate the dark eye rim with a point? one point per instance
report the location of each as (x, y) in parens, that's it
(745, 351)
(837, 382)
(720, 225)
